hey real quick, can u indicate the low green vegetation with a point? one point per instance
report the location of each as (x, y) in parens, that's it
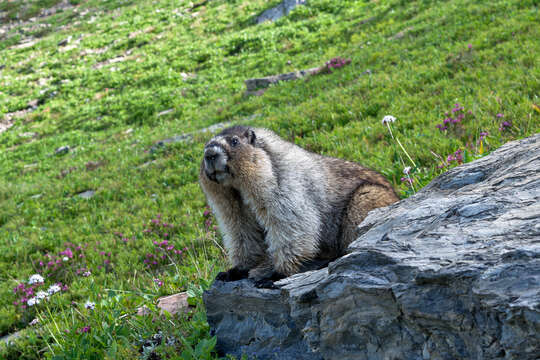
(111, 78)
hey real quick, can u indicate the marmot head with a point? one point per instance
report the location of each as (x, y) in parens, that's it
(224, 153)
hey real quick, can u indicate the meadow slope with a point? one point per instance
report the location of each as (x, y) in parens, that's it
(115, 220)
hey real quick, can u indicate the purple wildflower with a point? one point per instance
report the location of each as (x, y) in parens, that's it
(337, 63)
(483, 135)
(67, 253)
(408, 180)
(84, 330)
(454, 122)
(458, 155)
(441, 127)
(505, 125)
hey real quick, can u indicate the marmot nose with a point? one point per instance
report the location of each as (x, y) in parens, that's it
(210, 155)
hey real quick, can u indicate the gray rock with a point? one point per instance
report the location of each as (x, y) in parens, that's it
(25, 43)
(9, 119)
(188, 136)
(10, 338)
(367, 72)
(62, 5)
(6, 123)
(215, 127)
(188, 76)
(175, 139)
(28, 135)
(93, 165)
(199, 4)
(33, 104)
(402, 33)
(264, 82)
(452, 272)
(165, 112)
(86, 194)
(173, 304)
(62, 150)
(277, 12)
(65, 41)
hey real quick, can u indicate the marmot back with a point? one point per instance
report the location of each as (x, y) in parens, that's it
(280, 207)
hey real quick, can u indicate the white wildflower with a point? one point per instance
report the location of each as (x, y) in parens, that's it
(35, 279)
(90, 305)
(33, 301)
(41, 295)
(388, 119)
(53, 289)
(34, 322)
(86, 273)
(65, 258)
(407, 170)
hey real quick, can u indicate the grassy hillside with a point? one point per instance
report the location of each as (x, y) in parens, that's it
(111, 78)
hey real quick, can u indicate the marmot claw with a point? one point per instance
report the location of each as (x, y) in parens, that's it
(265, 284)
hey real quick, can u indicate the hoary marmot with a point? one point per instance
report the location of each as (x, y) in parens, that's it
(280, 207)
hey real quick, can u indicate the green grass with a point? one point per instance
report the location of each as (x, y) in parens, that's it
(482, 55)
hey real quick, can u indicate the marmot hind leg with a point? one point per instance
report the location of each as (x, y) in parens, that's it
(365, 198)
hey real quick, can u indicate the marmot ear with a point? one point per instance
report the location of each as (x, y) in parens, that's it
(250, 135)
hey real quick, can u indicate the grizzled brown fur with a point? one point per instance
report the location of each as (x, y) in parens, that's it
(280, 207)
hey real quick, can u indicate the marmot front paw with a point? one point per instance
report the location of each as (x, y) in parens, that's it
(265, 284)
(233, 274)
(268, 282)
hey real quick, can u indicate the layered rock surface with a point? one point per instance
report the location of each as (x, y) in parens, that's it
(450, 273)
(277, 12)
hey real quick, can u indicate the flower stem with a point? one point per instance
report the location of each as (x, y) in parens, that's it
(399, 143)
(401, 158)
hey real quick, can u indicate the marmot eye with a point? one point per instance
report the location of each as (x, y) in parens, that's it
(234, 142)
